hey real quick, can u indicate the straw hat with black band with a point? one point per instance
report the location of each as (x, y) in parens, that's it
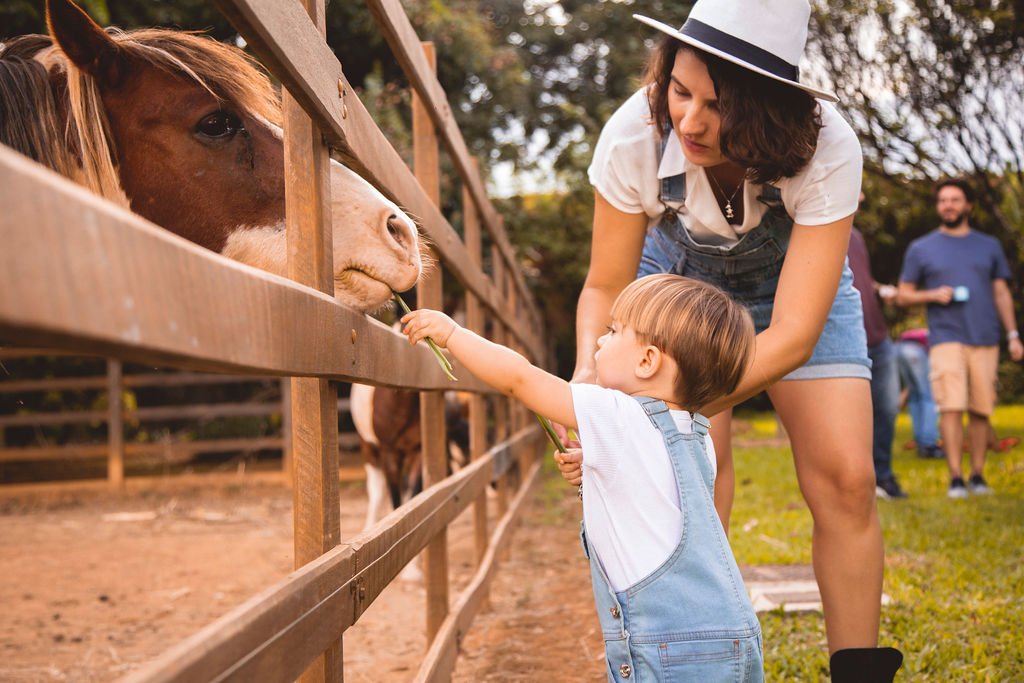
(764, 36)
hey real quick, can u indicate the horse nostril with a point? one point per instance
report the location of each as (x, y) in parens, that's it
(394, 229)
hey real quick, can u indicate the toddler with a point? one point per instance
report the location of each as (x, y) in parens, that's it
(670, 599)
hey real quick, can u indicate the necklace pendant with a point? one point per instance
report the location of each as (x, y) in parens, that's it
(728, 210)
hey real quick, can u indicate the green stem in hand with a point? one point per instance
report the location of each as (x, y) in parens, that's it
(550, 431)
(546, 424)
(442, 360)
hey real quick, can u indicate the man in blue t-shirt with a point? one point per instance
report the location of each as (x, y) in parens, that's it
(962, 275)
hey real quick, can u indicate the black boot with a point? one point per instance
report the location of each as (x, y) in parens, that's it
(865, 665)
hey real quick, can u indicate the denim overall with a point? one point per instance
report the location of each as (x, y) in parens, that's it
(749, 271)
(691, 619)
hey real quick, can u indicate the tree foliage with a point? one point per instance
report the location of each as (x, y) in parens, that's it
(934, 88)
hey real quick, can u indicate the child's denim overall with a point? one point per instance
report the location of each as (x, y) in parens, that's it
(749, 271)
(691, 619)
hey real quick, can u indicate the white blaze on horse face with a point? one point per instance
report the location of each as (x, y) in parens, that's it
(264, 247)
(375, 244)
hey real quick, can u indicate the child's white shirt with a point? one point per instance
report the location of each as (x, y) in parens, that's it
(630, 501)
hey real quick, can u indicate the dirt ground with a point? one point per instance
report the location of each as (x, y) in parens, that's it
(96, 583)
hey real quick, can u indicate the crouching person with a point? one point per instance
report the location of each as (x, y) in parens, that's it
(670, 599)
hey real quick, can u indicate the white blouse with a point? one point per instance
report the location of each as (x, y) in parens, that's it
(626, 171)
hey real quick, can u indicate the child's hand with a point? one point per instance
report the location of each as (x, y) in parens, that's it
(568, 440)
(570, 464)
(424, 323)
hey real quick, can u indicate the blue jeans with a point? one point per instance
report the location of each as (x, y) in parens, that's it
(912, 359)
(885, 402)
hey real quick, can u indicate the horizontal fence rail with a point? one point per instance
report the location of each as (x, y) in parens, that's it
(168, 320)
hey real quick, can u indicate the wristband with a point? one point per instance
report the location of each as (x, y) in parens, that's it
(1012, 334)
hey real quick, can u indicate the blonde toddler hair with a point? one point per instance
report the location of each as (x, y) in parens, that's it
(707, 334)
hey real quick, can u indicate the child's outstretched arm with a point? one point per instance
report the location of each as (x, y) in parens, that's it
(501, 367)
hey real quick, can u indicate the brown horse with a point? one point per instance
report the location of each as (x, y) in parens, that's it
(388, 423)
(186, 132)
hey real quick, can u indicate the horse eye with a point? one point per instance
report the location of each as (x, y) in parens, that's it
(218, 125)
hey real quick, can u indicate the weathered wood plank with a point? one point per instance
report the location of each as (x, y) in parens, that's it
(429, 294)
(85, 451)
(169, 317)
(155, 413)
(477, 406)
(40, 419)
(17, 386)
(313, 401)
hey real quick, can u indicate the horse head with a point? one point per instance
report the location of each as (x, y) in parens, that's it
(186, 131)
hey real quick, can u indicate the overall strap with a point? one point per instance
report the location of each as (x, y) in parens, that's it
(771, 196)
(673, 188)
(661, 418)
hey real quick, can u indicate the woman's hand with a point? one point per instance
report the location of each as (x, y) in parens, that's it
(568, 441)
(424, 323)
(570, 464)
(807, 288)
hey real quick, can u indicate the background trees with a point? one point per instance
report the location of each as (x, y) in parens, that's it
(934, 88)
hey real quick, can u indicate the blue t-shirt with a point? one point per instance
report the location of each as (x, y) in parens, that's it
(972, 261)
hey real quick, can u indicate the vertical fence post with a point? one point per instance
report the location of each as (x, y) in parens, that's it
(314, 401)
(426, 165)
(286, 429)
(115, 423)
(477, 406)
(512, 295)
(501, 408)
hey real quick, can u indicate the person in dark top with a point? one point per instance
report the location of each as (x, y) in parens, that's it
(885, 378)
(962, 274)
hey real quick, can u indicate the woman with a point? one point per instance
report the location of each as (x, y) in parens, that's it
(724, 167)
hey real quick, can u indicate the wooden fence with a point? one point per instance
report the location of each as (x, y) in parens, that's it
(62, 299)
(163, 450)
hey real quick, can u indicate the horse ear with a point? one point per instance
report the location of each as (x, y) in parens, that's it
(84, 42)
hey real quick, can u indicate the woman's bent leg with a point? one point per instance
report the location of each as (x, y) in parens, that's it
(725, 479)
(829, 425)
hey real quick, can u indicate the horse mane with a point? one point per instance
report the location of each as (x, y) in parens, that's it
(28, 108)
(225, 72)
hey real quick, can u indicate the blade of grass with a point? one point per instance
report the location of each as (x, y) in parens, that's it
(550, 431)
(442, 360)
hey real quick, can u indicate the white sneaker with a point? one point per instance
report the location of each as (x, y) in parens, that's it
(957, 489)
(978, 485)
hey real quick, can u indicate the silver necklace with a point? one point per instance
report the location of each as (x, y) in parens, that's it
(728, 202)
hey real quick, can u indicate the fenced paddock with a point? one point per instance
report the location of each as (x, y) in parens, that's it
(158, 437)
(119, 286)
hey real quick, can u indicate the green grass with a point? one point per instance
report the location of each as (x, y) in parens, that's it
(954, 569)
